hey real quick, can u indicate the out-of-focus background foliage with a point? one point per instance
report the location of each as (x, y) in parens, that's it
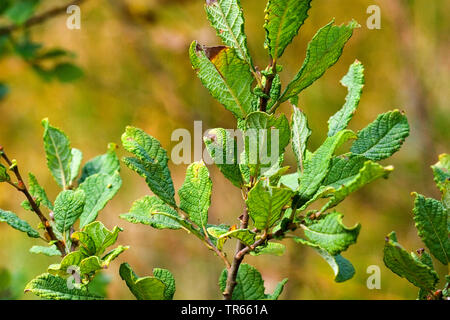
(137, 71)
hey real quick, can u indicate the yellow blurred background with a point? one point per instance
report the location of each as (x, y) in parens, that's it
(137, 72)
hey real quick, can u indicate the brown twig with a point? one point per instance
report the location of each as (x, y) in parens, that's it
(20, 186)
(40, 18)
(237, 260)
(269, 80)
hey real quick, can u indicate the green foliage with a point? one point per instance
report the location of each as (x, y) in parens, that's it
(283, 21)
(48, 251)
(354, 81)
(222, 148)
(4, 176)
(59, 154)
(16, 40)
(265, 204)
(227, 18)
(441, 171)
(38, 192)
(159, 287)
(405, 265)
(323, 52)
(52, 287)
(195, 194)
(83, 252)
(431, 218)
(226, 76)
(154, 212)
(150, 162)
(330, 234)
(276, 200)
(68, 208)
(380, 139)
(342, 268)
(14, 221)
(300, 135)
(250, 285)
(99, 189)
(317, 166)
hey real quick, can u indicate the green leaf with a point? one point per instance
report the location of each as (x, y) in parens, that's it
(290, 181)
(154, 212)
(4, 176)
(67, 72)
(330, 233)
(265, 204)
(430, 217)
(300, 135)
(323, 51)
(73, 259)
(59, 154)
(99, 189)
(195, 194)
(278, 290)
(227, 18)
(273, 248)
(342, 268)
(48, 286)
(90, 265)
(145, 288)
(216, 232)
(283, 21)
(95, 238)
(21, 10)
(167, 278)
(406, 266)
(75, 165)
(48, 251)
(250, 285)
(441, 171)
(368, 173)
(68, 207)
(383, 137)
(107, 163)
(222, 148)
(343, 169)
(150, 162)
(316, 168)
(38, 192)
(113, 254)
(17, 223)
(4, 90)
(354, 82)
(246, 236)
(260, 127)
(227, 77)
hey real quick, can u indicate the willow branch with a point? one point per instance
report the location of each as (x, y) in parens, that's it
(20, 186)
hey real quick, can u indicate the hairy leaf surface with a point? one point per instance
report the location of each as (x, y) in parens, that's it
(354, 82)
(283, 21)
(323, 51)
(383, 137)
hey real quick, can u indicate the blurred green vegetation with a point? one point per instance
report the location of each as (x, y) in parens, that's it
(137, 71)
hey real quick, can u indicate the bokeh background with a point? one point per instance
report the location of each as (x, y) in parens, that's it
(137, 71)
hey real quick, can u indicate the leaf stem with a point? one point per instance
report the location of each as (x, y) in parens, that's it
(20, 186)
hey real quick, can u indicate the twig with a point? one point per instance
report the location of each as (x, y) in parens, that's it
(40, 18)
(237, 260)
(269, 80)
(20, 186)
